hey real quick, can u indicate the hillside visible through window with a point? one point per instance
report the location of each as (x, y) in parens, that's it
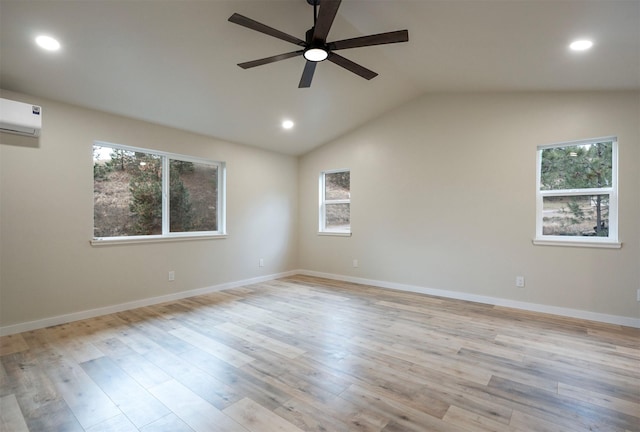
(128, 194)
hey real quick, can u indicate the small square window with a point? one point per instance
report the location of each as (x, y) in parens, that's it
(577, 193)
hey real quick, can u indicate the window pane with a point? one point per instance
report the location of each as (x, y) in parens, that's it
(576, 216)
(127, 193)
(337, 185)
(145, 185)
(577, 167)
(337, 217)
(193, 196)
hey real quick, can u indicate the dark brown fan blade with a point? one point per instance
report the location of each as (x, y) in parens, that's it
(267, 60)
(351, 66)
(307, 74)
(255, 25)
(326, 15)
(376, 39)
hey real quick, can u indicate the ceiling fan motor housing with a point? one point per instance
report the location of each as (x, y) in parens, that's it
(315, 51)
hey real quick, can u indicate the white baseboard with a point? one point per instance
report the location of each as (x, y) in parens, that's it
(533, 307)
(92, 313)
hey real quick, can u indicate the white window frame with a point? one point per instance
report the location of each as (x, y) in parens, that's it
(322, 227)
(167, 235)
(603, 242)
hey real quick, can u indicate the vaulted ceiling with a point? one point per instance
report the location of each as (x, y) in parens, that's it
(175, 62)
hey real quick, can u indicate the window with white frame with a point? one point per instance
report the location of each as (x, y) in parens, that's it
(141, 194)
(335, 202)
(577, 193)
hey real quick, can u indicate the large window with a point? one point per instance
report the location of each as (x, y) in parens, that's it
(335, 202)
(577, 198)
(141, 194)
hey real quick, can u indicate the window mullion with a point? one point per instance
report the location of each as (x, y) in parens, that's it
(165, 195)
(321, 193)
(571, 192)
(222, 198)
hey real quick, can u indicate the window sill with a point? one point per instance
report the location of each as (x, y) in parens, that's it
(607, 244)
(112, 241)
(334, 233)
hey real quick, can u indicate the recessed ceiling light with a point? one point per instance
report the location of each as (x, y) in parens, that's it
(48, 43)
(581, 45)
(287, 124)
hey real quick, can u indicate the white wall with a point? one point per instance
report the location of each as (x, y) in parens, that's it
(443, 197)
(47, 266)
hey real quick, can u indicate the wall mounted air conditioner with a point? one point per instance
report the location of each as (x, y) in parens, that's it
(20, 118)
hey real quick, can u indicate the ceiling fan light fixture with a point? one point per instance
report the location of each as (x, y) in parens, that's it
(316, 54)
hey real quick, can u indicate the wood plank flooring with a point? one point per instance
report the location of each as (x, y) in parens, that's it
(309, 354)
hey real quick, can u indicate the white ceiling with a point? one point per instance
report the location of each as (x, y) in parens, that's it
(174, 62)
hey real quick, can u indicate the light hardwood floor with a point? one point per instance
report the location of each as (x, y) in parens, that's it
(308, 354)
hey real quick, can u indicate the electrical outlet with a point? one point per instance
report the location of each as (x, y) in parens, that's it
(172, 276)
(638, 295)
(261, 262)
(355, 263)
(520, 281)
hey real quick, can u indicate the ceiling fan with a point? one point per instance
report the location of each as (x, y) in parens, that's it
(315, 47)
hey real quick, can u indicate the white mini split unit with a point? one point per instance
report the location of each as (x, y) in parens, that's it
(20, 118)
